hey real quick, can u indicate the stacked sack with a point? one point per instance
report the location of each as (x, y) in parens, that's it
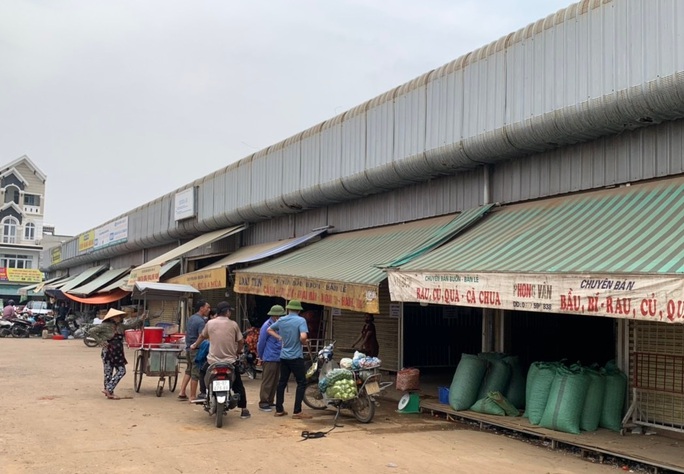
(490, 382)
(575, 398)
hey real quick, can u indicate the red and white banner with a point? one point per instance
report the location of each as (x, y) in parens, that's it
(650, 298)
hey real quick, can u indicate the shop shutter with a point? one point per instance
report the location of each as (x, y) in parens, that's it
(657, 373)
(163, 312)
(348, 324)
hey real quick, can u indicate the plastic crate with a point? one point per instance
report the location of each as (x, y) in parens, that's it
(443, 395)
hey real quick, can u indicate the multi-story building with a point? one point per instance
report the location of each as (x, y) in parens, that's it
(22, 194)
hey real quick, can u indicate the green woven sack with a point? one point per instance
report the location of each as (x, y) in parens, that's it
(515, 393)
(614, 398)
(539, 380)
(496, 378)
(466, 382)
(488, 406)
(507, 406)
(593, 405)
(566, 400)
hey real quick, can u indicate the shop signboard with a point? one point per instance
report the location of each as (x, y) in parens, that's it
(201, 280)
(148, 274)
(56, 254)
(650, 298)
(22, 275)
(354, 297)
(184, 204)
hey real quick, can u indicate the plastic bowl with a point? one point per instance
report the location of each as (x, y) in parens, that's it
(58, 337)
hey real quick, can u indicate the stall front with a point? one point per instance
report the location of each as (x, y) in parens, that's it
(340, 275)
(593, 276)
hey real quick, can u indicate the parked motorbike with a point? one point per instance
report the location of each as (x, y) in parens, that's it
(249, 362)
(220, 396)
(5, 327)
(367, 381)
(28, 327)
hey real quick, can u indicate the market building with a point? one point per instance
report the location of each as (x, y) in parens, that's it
(523, 198)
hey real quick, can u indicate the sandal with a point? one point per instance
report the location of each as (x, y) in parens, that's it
(111, 396)
(182, 397)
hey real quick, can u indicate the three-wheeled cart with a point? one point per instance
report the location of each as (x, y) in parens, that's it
(159, 362)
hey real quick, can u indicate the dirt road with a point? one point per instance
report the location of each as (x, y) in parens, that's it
(54, 419)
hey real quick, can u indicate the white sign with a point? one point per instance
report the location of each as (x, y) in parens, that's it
(184, 204)
(395, 310)
(650, 298)
(111, 233)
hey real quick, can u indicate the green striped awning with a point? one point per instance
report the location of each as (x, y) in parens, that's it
(636, 229)
(340, 270)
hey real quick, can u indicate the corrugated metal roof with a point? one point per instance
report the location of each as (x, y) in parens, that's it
(81, 278)
(352, 257)
(632, 229)
(102, 280)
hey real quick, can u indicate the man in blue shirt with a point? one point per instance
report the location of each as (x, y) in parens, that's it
(292, 331)
(194, 327)
(268, 349)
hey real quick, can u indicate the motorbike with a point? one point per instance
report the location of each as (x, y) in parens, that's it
(28, 327)
(249, 362)
(367, 381)
(5, 327)
(220, 397)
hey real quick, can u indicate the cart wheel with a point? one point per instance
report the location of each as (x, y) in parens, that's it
(137, 375)
(173, 380)
(160, 389)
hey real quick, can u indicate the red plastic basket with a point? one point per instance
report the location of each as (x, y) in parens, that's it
(134, 338)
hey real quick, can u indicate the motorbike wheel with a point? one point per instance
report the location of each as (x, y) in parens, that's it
(19, 331)
(313, 398)
(363, 408)
(4, 332)
(219, 414)
(137, 375)
(251, 372)
(89, 341)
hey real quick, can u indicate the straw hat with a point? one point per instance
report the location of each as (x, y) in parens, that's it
(295, 305)
(112, 313)
(276, 310)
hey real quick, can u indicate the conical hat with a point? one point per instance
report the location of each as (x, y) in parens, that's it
(113, 313)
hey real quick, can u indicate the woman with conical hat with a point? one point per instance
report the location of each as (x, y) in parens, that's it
(110, 335)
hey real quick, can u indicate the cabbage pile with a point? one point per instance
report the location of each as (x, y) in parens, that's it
(339, 384)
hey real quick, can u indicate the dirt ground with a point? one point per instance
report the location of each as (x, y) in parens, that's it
(55, 419)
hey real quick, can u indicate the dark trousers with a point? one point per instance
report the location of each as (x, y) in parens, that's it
(287, 367)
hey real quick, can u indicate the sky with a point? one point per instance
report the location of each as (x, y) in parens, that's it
(120, 102)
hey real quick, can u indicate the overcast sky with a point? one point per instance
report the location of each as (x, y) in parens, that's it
(120, 102)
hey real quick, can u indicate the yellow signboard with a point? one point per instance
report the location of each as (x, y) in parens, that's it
(149, 274)
(203, 279)
(23, 275)
(354, 297)
(56, 254)
(86, 241)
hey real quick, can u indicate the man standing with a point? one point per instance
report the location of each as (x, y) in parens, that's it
(225, 345)
(292, 331)
(268, 349)
(192, 331)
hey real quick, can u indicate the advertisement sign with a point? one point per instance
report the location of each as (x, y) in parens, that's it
(56, 254)
(86, 241)
(22, 275)
(111, 233)
(184, 204)
(650, 298)
(361, 298)
(203, 279)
